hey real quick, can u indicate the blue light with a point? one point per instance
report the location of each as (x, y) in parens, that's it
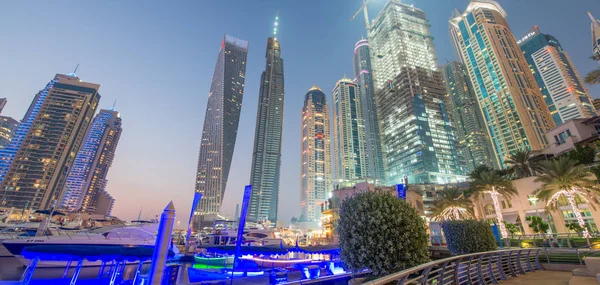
(401, 191)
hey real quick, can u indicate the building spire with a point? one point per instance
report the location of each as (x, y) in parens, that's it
(275, 25)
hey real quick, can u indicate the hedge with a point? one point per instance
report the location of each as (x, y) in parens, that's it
(380, 232)
(468, 236)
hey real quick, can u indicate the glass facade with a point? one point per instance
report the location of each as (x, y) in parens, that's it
(220, 126)
(512, 105)
(473, 141)
(563, 89)
(416, 135)
(35, 165)
(595, 29)
(363, 76)
(8, 126)
(316, 155)
(349, 142)
(87, 179)
(266, 156)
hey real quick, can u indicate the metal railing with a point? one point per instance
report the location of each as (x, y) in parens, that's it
(78, 235)
(561, 240)
(477, 268)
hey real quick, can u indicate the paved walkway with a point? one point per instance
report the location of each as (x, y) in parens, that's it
(543, 277)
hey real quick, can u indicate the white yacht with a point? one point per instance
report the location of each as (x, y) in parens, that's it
(225, 233)
(128, 236)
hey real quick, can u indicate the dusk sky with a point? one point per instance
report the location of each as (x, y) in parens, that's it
(156, 58)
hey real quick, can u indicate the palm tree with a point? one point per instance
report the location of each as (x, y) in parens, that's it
(594, 76)
(520, 162)
(452, 205)
(566, 178)
(490, 182)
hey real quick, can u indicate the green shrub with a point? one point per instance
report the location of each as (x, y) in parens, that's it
(468, 236)
(380, 232)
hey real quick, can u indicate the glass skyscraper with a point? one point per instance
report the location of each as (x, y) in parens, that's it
(416, 135)
(220, 127)
(349, 143)
(266, 156)
(473, 141)
(363, 76)
(512, 105)
(562, 87)
(316, 155)
(35, 165)
(87, 180)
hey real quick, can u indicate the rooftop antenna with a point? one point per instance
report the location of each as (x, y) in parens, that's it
(276, 24)
(76, 67)
(115, 103)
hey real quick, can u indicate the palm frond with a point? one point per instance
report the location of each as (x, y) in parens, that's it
(593, 77)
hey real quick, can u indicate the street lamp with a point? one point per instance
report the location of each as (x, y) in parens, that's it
(533, 200)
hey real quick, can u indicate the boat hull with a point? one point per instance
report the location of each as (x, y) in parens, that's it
(16, 248)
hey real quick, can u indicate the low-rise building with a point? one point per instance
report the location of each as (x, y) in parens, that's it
(343, 190)
(572, 133)
(516, 209)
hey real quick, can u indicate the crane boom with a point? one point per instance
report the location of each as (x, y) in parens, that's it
(366, 13)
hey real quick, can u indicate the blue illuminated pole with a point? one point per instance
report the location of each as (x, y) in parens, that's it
(242, 223)
(197, 197)
(161, 247)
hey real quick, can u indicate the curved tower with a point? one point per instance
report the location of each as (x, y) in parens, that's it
(86, 182)
(364, 78)
(220, 127)
(315, 156)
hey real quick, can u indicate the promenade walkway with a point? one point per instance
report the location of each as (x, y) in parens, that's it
(543, 277)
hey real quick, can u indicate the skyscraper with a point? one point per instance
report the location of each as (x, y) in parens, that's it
(8, 126)
(2, 104)
(349, 153)
(364, 78)
(35, 165)
(87, 179)
(266, 156)
(316, 155)
(563, 89)
(220, 126)
(417, 138)
(511, 103)
(595, 27)
(473, 140)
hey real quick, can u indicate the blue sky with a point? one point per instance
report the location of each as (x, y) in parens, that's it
(156, 58)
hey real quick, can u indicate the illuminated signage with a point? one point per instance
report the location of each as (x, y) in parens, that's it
(529, 35)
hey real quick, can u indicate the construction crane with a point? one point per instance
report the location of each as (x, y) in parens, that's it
(366, 13)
